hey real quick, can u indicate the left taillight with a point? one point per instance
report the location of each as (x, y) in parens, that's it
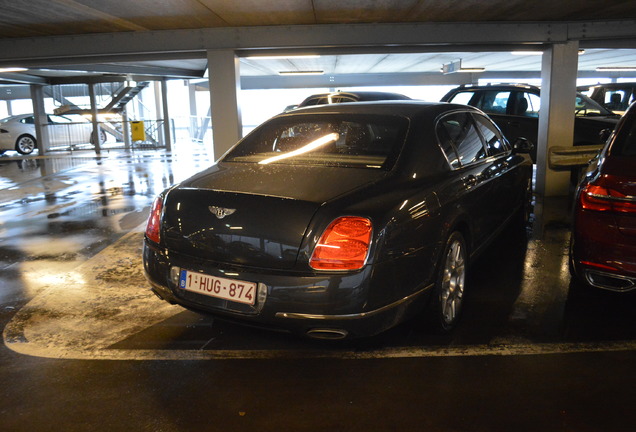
(344, 245)
(608, 194)
(153, 228)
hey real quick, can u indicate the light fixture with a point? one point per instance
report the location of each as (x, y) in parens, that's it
(282, 57)
(307, 72)
(537, 53)
(616, 69)
(456, 66)
(12, 69)
(472, 69)
(465, 70)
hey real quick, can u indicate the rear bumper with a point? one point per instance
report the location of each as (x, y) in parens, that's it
(601, 256)
(325, 306)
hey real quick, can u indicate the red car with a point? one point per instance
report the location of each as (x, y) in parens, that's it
(603, 245)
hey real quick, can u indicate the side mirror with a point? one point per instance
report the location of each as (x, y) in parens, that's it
(604, 135)
(522, 146)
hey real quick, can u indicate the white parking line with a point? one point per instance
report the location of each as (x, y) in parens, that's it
(81, 314)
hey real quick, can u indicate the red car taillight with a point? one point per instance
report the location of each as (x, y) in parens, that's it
(608, 193)
(344, 245)
(153, 227)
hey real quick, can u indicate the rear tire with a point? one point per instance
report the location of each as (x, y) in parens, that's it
(448, 295)
(25, 144)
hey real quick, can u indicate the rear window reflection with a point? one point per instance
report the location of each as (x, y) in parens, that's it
(357, 141)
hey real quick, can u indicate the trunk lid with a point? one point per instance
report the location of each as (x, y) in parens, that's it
(252, 215)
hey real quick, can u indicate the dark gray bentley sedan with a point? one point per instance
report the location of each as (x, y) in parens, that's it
(340, 220)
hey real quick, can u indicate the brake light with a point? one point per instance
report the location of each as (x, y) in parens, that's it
(344, 245)
(599, 265)
(608, 193)
(153, 227)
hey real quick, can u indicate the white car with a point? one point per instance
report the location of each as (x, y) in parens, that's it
(18, 132)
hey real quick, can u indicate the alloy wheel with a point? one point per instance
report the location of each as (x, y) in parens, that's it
(452, 283)
(25, 144)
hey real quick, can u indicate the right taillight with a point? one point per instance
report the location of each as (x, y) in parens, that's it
(153, 227)
(344, 245)
(608, 193)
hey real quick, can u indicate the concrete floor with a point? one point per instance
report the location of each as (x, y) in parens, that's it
(86, 347)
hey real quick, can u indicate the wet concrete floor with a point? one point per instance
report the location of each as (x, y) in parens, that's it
(87, 347)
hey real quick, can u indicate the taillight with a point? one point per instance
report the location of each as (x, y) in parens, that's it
(153, 227)
(344, 245)
(608, 193)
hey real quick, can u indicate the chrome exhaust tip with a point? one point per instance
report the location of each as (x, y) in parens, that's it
(328, 334)
(609, 281)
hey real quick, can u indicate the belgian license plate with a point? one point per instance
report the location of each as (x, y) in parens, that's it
(227, 289)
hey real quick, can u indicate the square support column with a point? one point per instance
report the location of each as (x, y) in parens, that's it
(556, 122)
(94, 114)
(40, 119)
(225, 85)
(166, 116)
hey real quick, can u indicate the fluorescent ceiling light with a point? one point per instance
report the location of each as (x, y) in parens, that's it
(13, 69)
(282, 57)
(476, 69)
(537, 53)
(309, 72)
(616, 69)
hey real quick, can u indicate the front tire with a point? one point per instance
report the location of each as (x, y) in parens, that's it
(102, 137)
(448, 296)
(25, 144)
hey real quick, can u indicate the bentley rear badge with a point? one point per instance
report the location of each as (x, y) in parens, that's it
(221, 212)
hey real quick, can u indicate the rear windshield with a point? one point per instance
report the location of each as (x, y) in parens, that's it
(625, 144)
(331, 140)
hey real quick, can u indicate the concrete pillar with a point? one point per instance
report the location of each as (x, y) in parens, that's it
(94, 113)
(39, 115)
(158, 111)
(194, 121)
(224, 77)
(166, 115)
(125, 127)
(556, 121)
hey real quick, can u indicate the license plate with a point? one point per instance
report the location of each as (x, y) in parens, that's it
(227, 289)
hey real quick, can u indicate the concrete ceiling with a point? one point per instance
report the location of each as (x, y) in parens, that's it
(66, 21)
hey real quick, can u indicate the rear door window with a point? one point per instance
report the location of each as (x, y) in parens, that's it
(495, 143)
(459, 139)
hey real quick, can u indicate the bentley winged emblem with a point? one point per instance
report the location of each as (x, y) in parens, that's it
(221, 212)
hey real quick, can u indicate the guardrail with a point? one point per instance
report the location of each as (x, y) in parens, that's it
(568, 158)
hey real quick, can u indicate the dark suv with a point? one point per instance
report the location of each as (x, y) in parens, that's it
(615, 97)
(515, 109)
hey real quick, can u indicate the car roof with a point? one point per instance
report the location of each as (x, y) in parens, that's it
(498, 86)
(609, 85)
(405, 108)
(360, 95)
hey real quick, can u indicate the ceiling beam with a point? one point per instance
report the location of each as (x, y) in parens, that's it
(18, 51)
(20, 78)
(135, 69)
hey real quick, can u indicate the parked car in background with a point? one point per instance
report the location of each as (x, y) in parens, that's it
(603, 243)
(339, 220)
(515, 108)
(615, 97)
(344, 97)
(18, 132)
